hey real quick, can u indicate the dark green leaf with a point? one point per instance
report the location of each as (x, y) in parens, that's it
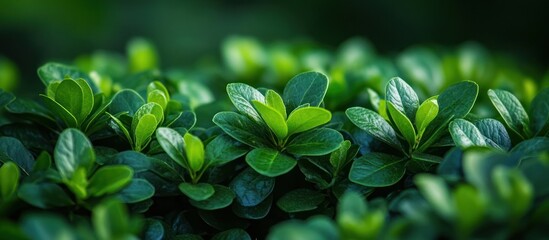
(9, 180)
(241, 96)
(222, 197)
(138, 190)
(232, 234)
(46, 226)
(404, 98)
(251, 188)
(68, 118)
(44, 195)
(258, 211)
(224, 149)
(270, 162)
(539, 112)
(72, 151)
(126, 100)
(137, 161)
(5, 98)
(50, 72)
(377, 170)
(511, 111)
(197, 192)
(466, 134)
(315, 142)
(14, 150)
(241, 128)
(495, 133)
(173, 144)
(373, 124)
(300, 200)
(308, 87)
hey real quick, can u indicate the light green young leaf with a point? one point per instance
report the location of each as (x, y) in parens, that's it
(303, 119)
(403, 124)
(194, 148)
(148, 108)
(466, 134)
(426, 113)
(270, 162)
(72, 151)
(144, 129)
(111, 220)
(172, 143)
(402, 96)
(273, 119)
(62, 112)
(373, 124)
(157, 85)
(9, 180)
(109, 179)
(308, 87)
(511, 111)
(272, 99)
(158, 96)
(242, 95)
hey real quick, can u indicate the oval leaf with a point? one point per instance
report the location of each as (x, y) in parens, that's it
(270, 162)
(222, 197)
(495, 133)
(403, 124)
(511, 111)
(316, 142)
(72, 151)
(308, 87)
(272, 99)
(377, 170)
(404, 98)
(426, 113)
(197, 192)
(300, 200)
(224, 149)
(172, 143)
(241, 128)
(138, 190)
(303, 119)
(144, 129)
(539, 111)
(373, 124)
(465, 134)
(109, 179)
(126, 100)
(242, 95)
(251, 188)
(194, 148)
(273, 119)
(9, 180)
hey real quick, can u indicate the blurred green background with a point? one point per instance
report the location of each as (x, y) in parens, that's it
(187, 32)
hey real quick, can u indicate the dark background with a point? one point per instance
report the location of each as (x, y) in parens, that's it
(33, 32)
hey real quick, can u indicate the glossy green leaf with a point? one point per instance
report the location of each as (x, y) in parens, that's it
(126, 100)
(539, 113)
(224, 149)
(241, 128)
(495, 133)
(251, 188)
(403, 124)
(78, 183)
(308, 87)
(149, 108)
(70, 95)
(304, 119)
(50, 72)
(194, 148)
(9, 180)
(136, 191)
(172, 143)
(511, 111)
(44, 195)
(315, 142)
(197, 192)
(259, 211)
(87, 102)
(274, 100)
(73, 150)
(404, 98)
(466, 134)
(300, 200)
(241, 96)
(69, 119)
(16, 152)
(377, 170)
(158, 97)
(109, 179)
(222, 198)
(144, 129)
(426, 113)
(373, 124)
(270, 162)
(157, 85)
(273, 119)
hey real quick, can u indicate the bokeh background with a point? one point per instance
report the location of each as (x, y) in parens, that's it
(186, 32)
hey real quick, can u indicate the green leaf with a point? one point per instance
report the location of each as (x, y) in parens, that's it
(62, 112)
(194, 148)
(144, 130)
(46, 226)
(303, 119)
(404, 98)
(436, 193)
(465, 134)
(222, 198)
(50, 72)
(258, 211)
(44, 195)
(87, 99)
(9, 180)
(158, 97)
(466, 197)
(157, 85)
(539, 112)
(172, 143)
(251, 188)
(120, 128)
(511, 111)
(110, 220)
(316, 142)
(224, 149)
(300, 200)
(16, 152)
(272, 99)
(270, 162)
(241, 96)
(426, 113)
(273, 119)
(377, 170)
(338, 158)
(72, 151)
(373, 124)
(403, 124)
(232, 234)
(495, 133)
(241, 128)
(109, 179)
(136, 191)
(197, 192)
(126, 100)
(7, 97)
(149, 108)
(78, 183)
(308, 87)
(70, 95)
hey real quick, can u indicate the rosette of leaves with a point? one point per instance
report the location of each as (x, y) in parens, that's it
(280, 129)
(75, 105)
(188, 151)
(409, 127)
